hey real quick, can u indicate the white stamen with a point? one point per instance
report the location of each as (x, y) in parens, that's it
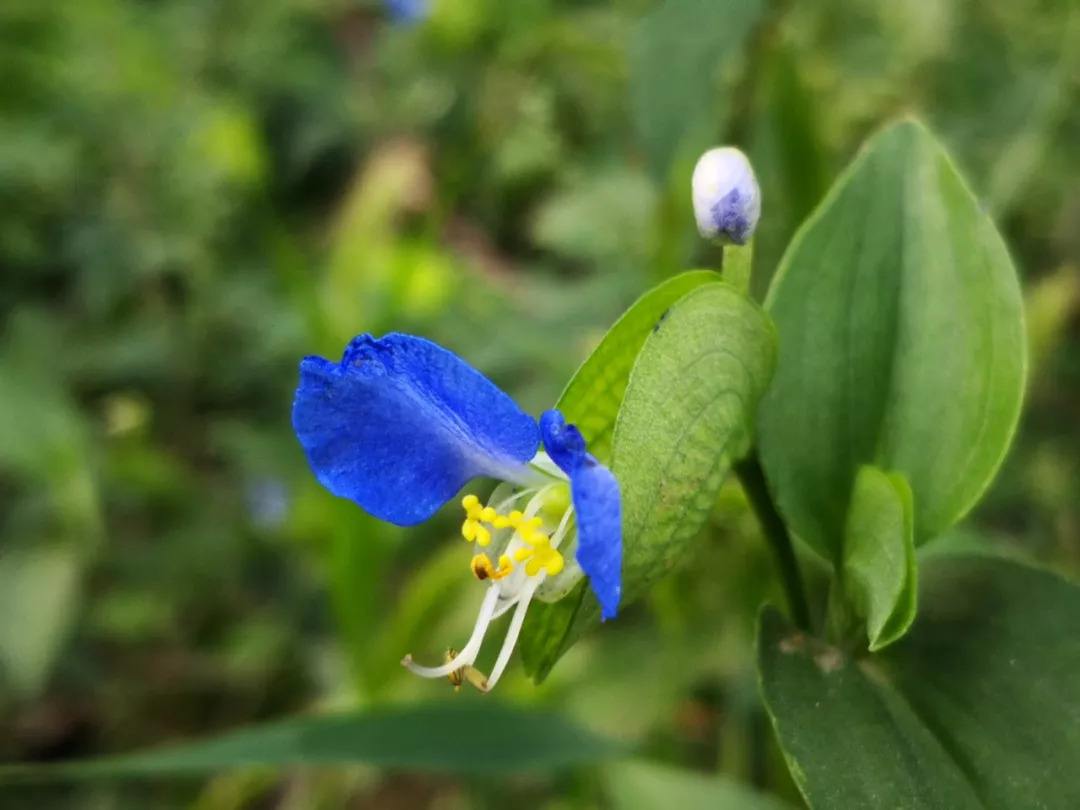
(515, 497)
(469, 652)
(542, 463)
(515, 629)
(503, 606)
(564, 528)
(537, 501)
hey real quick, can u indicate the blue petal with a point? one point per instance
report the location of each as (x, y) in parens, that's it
(598, 507)
(401, 424)
(563, 442)
(407, 11)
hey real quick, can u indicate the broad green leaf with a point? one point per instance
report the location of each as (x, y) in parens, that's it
(901, 343)
(636, 785)
(979, 706)
(39, 594)
(592, 398)
(880, 573)
(675, 56)
(470, 736)
(688, 412)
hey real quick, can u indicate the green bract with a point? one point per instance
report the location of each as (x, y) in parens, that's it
(901, 344)
(687, 412)
(592, 398)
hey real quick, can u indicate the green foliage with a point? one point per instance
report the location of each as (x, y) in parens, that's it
(703, 366)
(676, 57)
(879, 572)
(901, 343)
(39, 590)
(972, 709)
(644, 786)
(469, 737)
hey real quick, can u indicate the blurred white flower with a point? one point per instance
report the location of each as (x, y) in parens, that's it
(727, 198)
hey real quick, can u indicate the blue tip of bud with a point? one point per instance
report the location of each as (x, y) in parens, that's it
(727, 198)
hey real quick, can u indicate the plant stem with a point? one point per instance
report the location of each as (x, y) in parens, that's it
(752, 479)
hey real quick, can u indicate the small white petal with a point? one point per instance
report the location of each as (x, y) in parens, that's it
(727, 198)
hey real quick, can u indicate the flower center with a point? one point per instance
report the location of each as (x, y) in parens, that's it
(529, 554)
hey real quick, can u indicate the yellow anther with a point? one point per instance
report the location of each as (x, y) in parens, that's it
(475, 516)
(541, 556)
(482, 567)
(465, 673)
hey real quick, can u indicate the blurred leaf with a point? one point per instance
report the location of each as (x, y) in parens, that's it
(789, 157)
(901, 343)
(1050, 304)
(604, 217)
(39, 589)
(977, 707)
(468, 736)
(703, 367)
(880, 572)
(675, 56)
(418, 608)
(646, 786)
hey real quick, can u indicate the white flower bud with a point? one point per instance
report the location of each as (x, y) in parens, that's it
(727, 199)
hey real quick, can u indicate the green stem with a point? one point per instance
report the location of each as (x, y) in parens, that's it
(752, 479)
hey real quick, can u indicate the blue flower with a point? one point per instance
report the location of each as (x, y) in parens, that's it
(407, 11)
(400, 425)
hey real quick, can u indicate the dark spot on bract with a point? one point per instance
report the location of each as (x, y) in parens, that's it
(661, 319)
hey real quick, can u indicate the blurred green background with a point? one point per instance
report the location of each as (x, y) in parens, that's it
(196, 193)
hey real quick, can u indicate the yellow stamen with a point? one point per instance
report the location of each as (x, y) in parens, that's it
(466, 672)
(482, 567)
(475, 516)
(541, 556)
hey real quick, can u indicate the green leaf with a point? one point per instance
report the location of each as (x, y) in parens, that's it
(675, 56)
(636, 785)
(39, 594)
(592, 398)
(460, 737)
(880, 572)
(901, 343)
(979, 706)
(687, 413)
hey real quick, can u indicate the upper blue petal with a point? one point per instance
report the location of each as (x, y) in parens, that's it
(598, 506)
(401, 424)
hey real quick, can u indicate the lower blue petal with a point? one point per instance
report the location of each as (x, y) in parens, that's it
(401, 424)
(598, 506)
(599, 525)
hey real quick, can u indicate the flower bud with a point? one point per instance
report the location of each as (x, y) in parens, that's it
(727, 199)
